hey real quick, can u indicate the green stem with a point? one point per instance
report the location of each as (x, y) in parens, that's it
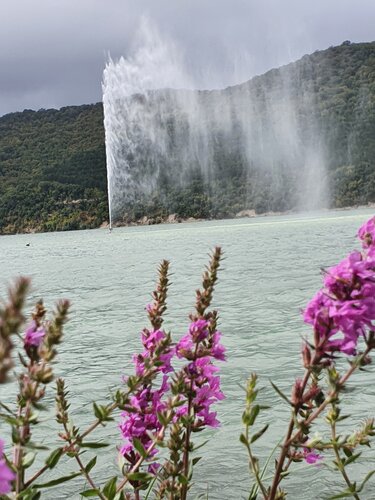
(340, 464)
(81, 466)
(253, 465)
(88, 431)
(286, 445)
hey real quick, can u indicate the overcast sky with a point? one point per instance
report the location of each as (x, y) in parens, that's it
(52, 52)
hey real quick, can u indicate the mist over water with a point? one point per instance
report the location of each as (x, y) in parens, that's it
(162, 134)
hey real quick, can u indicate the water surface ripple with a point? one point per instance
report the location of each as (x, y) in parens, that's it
(270, 270)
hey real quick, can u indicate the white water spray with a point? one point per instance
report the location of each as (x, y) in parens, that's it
(160, 132)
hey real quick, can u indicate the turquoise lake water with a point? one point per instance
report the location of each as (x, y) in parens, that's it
(271, 269)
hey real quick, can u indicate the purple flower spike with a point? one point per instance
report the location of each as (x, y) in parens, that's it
(344, 310)
(34, 335)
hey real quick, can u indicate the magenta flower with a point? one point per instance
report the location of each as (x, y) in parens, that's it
(344, 309)
(200, 347)
(141, 421)
(311, 456)
(217, 349)
(34, 335)
(6, 474)
(198, 330)
(152, 341)
(185, 347)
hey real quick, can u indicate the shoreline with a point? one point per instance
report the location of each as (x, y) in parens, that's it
(174, 219)
(244, 214)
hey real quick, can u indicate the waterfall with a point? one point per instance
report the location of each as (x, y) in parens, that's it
(256, 145)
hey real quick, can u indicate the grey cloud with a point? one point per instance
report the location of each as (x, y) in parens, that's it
(52, 52)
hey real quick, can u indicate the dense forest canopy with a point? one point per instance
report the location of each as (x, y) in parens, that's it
(53, 171)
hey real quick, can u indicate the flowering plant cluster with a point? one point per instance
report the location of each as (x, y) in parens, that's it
(161, 404)
(342, 317)
(171, 395)
(174, 403)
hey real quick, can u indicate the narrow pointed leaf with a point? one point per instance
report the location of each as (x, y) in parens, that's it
(139, 447)
(90, 465)
(258, 434)
(109, 489)
(93, 445)
(54, 457)
(243, 439)
(89, 493)
(60, 480)
(280, 393)
(139, 476)
(368, 476)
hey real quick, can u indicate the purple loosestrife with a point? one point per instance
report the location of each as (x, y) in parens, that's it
(141, 421)
(34, 335)
(202, 384)
(311, 457)
(344, 310)
(197, 384)
(341, 313)
(6, 474)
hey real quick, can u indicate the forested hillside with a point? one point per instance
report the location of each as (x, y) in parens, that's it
(52, 162)
(52, 169)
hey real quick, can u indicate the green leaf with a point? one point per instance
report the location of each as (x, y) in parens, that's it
(91, 464)
(258, 434)
(54, 457)
(15, 436)
(343, 417)
(89, 493)
(345, 494)
(162, 419)
(182, 479)
(60, 480)
(351, 459)
(196, 460)
(280, 393)
(139, 476)
(195, 448)
(93, 444)
(97, 411)
(36, 446)
(6, 408)
(28, 459)
(368, 476)
(139, 447)
(120, 496)
(347, 452)
(254, 412)
(29, 494)
(109, 489)
(243, 440)
(17, 422)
